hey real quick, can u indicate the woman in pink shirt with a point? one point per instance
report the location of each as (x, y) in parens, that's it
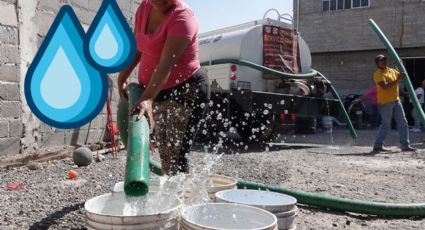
(176, 88)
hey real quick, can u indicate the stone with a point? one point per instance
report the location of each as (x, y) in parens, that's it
(82, 156)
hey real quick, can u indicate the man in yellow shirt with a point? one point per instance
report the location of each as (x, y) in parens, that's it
(386, 80)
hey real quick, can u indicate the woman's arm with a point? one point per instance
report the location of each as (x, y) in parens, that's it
(123, 75)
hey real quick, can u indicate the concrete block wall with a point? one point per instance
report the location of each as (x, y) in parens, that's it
(352, 72)
(348, 30)
(11, 126)
(344, 46)
(23, 26)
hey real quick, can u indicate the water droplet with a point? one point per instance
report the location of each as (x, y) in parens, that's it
(111, 44)
(266, 112)
(62, 89)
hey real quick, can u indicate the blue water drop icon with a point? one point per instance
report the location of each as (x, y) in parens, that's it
(111, 44)
(61, 88)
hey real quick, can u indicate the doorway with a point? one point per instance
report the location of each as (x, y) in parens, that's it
(415, 67)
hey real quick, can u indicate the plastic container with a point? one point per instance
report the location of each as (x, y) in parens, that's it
(327, 123)
(213, 184)
(281, 205)
(216, 183)
(227, 216)
(107, 212)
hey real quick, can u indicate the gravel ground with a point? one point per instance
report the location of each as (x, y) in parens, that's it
(50, 201)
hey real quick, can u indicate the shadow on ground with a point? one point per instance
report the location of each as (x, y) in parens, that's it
(51, 219)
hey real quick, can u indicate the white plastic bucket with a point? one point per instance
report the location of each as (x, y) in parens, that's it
(327, 123)
(216, 183)
(107, 212)
(213, 184)
(215, 216)
(283, 206)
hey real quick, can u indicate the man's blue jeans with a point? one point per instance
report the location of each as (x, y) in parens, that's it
(387, 112)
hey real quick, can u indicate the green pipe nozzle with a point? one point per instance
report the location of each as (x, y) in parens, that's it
(135, 135)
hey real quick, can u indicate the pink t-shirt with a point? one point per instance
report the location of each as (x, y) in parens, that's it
(179, 22)
(372, 95)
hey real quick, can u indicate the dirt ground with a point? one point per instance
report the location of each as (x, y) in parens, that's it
(338, 167)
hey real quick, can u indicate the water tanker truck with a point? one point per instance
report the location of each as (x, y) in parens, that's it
(262, 82)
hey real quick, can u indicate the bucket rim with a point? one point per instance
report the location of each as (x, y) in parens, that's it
(183, 219)
(163, 212)
(293, 202)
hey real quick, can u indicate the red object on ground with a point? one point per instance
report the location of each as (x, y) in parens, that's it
(72, 175)
(14, 186)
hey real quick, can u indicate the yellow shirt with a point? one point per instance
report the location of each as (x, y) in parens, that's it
(389, 94)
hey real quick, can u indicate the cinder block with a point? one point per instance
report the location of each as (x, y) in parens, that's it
(10, 146)
(95, 136)
(53, 139)
(8, 14)
(50, 5)
(9, 91)
(4, 129)
(44, 19)
(80, 3)
(9, 54)
(76, 137)
(9, 73)
(15, 128)
(9, 35)
(10, 109)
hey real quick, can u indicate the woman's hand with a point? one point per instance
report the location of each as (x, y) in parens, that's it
(144, 107)
(122, 84)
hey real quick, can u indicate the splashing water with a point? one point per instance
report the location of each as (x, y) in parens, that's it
(192, 188)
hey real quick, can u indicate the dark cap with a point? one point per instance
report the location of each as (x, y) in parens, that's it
(380, 57)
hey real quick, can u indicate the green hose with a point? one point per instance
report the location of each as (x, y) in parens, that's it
(342, 204)
(261, 68)
(135, 134)
(396, 58)
(335, 203)
(313, 73)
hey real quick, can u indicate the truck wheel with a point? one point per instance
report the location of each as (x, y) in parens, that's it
(259, 128)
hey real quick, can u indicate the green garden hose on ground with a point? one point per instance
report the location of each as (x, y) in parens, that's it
(313, 73)
(334, 203)
(135, 135)
(396, 58)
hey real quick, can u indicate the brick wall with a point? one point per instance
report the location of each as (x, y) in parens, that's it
(23, 26)
(352, 72)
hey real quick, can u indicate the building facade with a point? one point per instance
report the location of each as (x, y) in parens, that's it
(343, 45)
(23, 26)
